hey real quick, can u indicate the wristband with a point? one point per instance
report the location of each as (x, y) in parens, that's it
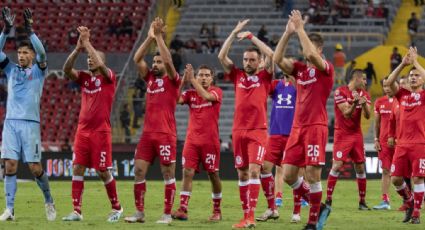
(249, 36)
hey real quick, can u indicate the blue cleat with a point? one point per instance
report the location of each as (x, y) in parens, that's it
(325, 210)
(304, 203)
(279, 202)
(382, 206)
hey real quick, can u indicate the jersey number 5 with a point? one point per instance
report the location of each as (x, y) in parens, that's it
(102, 159)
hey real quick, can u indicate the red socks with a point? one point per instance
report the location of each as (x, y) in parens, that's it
(170, 190)
(267, 183)
(77, 192)
(139, 195)
(111, 190)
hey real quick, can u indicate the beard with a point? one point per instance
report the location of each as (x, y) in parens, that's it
(249, 70)
(157, 72)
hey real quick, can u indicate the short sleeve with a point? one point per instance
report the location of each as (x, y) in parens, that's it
(186, 96)
(376, 107)
(81, 77)
(401, 92)
(218, 93)
(298, 67)
(266, 75)
(233, 73)
(111, 76)
(340, 96)
(177, 80)
(273, 86)
(329, 68)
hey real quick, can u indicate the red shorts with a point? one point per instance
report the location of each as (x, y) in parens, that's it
(349, 145)
(385, 155)
(275, 147)
(249, 147)
(93, 150)
(409, 160)
(306, 146)
(207, 154)
(156, 144)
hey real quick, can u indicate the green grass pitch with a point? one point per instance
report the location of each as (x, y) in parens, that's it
(30, 214)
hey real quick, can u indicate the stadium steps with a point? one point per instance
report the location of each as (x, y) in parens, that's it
(398, 34)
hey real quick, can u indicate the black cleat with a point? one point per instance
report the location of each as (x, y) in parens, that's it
(310, 227)
(328, 203)
(325, 211)
(408, 215)
(363, 206)
(415, 220)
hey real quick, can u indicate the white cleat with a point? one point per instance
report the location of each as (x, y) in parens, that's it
(115, 215)
(137, 217)
(268, 214)
(7, 215)
(73, 216)
(165, 219)
(50, 211)
(295, 218)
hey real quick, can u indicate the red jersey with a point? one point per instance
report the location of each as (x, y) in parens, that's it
(203, 118)
(161, 100)
(395, 120)
(313, 89)
(97, 93)
(383, 108)
(251, 94)
(349, 125)
(412, 122)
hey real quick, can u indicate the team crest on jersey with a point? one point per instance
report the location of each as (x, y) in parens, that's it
(339, 154)
(312, 72)
(253, 78)
(337, 92)
(160, 82)
(417, 96)
(97, 83)
(86, 83)
(392, 168)
(238, 160)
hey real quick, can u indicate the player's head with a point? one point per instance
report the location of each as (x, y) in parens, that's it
(158, 68)
(251, 60)
(205, 76)
(387, 88)
(415, 79)
(90, 62)
(25, 54)
(358, 78)
(317, 41)
(395, 50)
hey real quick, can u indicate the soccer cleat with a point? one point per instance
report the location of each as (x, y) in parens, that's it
(50, 211)
(309, 227)
(408, 214)
(268, 214)
(7, 215)
(304, 203)
(115, 215)
(215, 217)
(242, 224)
(179, 214)
(278, 202)
(295, 218)
(328, 203)
(415, 220)
(73, 216)
(382, 206)
(325, 211)
(137, 217)
(165, 219)
(363, 206)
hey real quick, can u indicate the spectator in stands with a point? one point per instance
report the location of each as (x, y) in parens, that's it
(395, 59)
(339, 63)
(176, 44)
(215, 31)
(412, 26)
(177, 59)
(288, 7)
(192, 45)
(370, 74)
(125, 122)
(370, 10)
(273, 42)
(350, 68)
(214, 45)
(262, 34)
(205, 31)
(334, 15)
(126, 26)
(137, 109)
(417, 2)
(345, 10)
(113, 27)
(72, 38)
(381, 11)
(66, 146)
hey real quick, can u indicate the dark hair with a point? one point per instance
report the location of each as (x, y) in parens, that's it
(203, 66)
(253, 49)
(157, 54)
(354, 72)
(316, 39)
(25, 43)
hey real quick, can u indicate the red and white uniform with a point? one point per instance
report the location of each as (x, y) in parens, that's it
(159, 137)
(383, 107)
(409, 157)
(202, 143)
(250, 118)
(348, 137)
(309, 134)
(93, 139)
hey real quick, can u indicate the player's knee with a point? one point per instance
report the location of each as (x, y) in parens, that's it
(104, 175)
(289, 178)
(188, 173)
(397, 181)
(78, 170)
(214, 176)
(36, 169)
(337, 165)
(11, 167)
(359, 168)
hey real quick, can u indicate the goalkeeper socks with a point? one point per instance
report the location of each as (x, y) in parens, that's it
(43, 184)
(10, 190)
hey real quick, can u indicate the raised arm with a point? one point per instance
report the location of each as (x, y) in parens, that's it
(141, 52)
(8, 20)
(285, 64)
(414, 57)
(391, 80)
(36, 43)
(198, 87)
(67, 68)
(267, 51)
(180, 100)
(158, 28)
(309, 50)
(223, 57)
(94, 55)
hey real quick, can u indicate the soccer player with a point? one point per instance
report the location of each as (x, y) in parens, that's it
(307, 142)
(159, 137)
(202, 144)
(283, 94)
(250, 117)
(350, 101)
(383, 109)
(21, 131)
(409, 156)
(93, 139)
